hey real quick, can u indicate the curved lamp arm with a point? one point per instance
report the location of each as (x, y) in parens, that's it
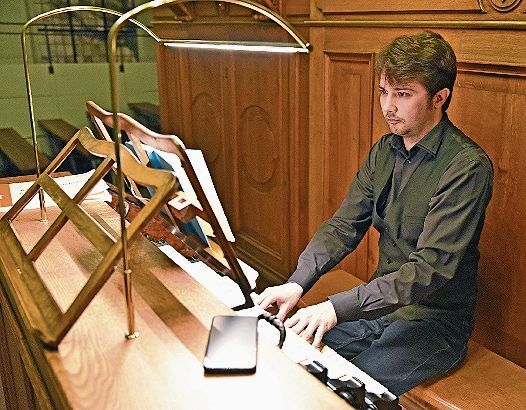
(29, 23)
(299, 46)
(131, 333)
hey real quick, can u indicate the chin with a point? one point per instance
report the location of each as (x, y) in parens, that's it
(397, 130)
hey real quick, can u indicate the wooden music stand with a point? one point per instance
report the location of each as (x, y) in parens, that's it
(226, 264)
(28, 294)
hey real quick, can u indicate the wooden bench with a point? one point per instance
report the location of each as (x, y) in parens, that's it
(148, 114)
(484, 381)
(59, 132)
(17, 154)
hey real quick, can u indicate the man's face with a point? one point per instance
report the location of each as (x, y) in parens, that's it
(407, 108)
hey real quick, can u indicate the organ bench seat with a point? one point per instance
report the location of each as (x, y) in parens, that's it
(484, 381)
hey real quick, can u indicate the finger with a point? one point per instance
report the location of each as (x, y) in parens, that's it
(258, 298)
(291, 321)
(318, 336)
(283, 310)
(266, 301)
(300, 326)
(309, 330)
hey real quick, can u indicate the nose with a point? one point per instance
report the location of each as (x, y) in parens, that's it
(389, 104)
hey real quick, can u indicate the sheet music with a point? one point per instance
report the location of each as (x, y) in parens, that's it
(197, 161)
(71, 184)
(224, 288)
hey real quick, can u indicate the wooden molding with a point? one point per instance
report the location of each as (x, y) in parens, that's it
(400, 6)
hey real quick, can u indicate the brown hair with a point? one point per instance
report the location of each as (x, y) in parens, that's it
(425, 57)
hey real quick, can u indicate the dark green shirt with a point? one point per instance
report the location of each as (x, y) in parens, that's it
(428, 205)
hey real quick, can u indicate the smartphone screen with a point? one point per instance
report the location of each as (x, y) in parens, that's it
(232, 345)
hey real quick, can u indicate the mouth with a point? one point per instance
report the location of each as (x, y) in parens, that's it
(393, 121)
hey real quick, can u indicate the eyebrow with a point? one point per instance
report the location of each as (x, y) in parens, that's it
(398, 88)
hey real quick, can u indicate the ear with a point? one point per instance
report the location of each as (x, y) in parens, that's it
(440, 97)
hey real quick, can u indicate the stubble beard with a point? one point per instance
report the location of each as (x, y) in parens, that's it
(399, 128)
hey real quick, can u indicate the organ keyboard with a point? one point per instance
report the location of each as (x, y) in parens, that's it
(296, 348)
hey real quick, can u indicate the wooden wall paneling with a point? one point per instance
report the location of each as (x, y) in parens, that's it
(295, 8)
(205, 80)
(361, 99)
(316, 129)
(347, 136)
(298, 157)
(261, 149)
(488, 106)
(246, 123)
(471, 45)
(172, 108)
(162, 74)
(193, 83)
(401, 6)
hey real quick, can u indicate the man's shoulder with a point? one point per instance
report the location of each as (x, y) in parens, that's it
(468, 149)
(385, 141)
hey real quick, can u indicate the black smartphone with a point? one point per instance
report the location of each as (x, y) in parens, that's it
(232, 345)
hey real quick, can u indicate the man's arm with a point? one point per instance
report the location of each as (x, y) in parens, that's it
(455, 212)
(341, 234)
(336, 237)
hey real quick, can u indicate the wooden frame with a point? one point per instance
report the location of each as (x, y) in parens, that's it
(26, 290)
(225, 263)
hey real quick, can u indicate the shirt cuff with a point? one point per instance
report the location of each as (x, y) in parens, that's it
(347, 305)
(305, 280)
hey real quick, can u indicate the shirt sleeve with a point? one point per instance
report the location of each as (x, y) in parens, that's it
(341, 234)
(453, 223)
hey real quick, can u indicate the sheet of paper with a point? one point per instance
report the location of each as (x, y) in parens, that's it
(224, 288)
(197, 161)
(71, 184)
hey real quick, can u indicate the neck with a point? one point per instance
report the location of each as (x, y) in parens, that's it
(411, 141)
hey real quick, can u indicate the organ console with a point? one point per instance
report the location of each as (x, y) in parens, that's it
(345, 379)
(336, 373)
(175, 303)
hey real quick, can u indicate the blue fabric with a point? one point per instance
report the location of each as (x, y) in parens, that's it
(400, 354)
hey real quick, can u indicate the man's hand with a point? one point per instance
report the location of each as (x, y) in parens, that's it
(286, 296)
(313, 321)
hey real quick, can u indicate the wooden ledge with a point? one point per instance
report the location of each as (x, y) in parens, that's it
(485, 381)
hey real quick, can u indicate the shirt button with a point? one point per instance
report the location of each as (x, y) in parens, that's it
(389, 260)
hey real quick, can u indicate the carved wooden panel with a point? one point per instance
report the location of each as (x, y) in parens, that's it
(206, 118)
(489, 108)
(504, 5)
(347, 137)
(261, 151)
(400, 6)
(244, 120)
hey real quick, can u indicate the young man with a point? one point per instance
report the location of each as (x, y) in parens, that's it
(425, 188)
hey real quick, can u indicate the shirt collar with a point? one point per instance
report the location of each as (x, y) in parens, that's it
(431, 142)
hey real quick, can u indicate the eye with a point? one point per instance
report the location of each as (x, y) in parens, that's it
(403, 94)
(382, 91)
